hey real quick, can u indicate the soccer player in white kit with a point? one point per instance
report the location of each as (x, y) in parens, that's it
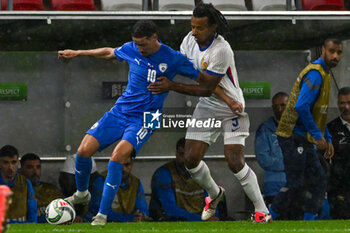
(212, 54)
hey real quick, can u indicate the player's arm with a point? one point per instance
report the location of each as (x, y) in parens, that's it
(141, 204)
(31, 204)
(329, 153)
(235, 106)
(310, 89)
(105, 53)
(205, 87)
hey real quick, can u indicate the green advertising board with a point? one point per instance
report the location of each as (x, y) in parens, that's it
(13, 91)
(255, 90)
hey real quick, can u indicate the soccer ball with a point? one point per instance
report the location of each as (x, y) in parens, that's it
(59, 211)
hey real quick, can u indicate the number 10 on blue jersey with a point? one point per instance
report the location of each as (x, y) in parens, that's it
(151, 77)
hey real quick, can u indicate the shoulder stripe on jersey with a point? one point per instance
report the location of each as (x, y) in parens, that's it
(230, 76)
(310, 84)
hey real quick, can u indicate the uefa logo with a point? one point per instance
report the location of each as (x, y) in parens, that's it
(152, 120)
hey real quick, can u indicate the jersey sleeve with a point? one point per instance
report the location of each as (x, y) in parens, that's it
(186, 67)
(184, 45)
(141, 203)
(309, 91)
(122, 52)
(219, 61)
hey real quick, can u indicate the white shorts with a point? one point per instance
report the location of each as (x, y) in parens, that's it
(235, 129)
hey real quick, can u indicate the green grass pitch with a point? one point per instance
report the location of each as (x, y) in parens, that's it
(189, 227)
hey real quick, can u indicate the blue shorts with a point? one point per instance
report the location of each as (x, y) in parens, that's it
(113, 127)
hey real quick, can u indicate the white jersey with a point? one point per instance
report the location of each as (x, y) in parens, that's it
(216, 59)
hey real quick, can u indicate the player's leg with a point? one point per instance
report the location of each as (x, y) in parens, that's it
(294, 166)
(234, 155)
(103, 133)
(197, 142)
(316, 183)
(83, 166)
(200, 173)
(134, 137)
(235, 132)
(121, 153)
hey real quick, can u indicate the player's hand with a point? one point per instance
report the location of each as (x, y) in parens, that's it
(235, 106)
(329, 151)
(321, 144)
(67, 53)
(162, 85)
(139, 217)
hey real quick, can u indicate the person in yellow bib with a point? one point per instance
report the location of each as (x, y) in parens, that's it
(23, 208)
(302, 133)
(129, 204)
(175, 196)
(44, 192)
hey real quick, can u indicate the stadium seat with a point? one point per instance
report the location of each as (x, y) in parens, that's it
(72, 5)
(24, 5)
(228, 5)
(121, 5)
(176, 5)
(323, 5)
(271, 5)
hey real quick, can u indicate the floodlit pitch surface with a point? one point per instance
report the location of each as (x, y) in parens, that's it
(189, 227)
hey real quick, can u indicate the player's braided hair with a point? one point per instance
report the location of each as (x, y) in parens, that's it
(214, 17)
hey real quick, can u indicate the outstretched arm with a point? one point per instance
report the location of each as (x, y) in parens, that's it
(205, 87)
(105, 53)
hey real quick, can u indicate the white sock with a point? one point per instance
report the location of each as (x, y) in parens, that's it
(250, 186)
(82, 193)
(201, 175)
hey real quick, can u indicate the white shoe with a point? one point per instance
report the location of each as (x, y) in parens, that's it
(99, 220)
(210, 205)
(75, 199)
(261, 217)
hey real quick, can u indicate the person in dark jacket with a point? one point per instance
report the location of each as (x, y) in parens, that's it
(268, 152)
(339, 181)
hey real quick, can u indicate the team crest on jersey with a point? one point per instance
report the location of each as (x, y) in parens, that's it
(163, 67)
(204, 64)
(300, 149)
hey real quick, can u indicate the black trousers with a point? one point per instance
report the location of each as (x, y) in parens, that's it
(303, 170)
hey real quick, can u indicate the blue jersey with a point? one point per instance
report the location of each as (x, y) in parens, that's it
(167, 62)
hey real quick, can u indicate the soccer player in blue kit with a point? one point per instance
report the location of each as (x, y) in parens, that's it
(148, 59)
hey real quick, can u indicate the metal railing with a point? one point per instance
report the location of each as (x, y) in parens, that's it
(173, 15)
(142, 157)
(148, 5)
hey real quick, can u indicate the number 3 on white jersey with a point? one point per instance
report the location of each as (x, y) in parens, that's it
(151, 77)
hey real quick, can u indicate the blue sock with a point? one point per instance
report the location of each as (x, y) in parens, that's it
(111, 186)
(83, 168)
(309, 216)
(273, 214)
